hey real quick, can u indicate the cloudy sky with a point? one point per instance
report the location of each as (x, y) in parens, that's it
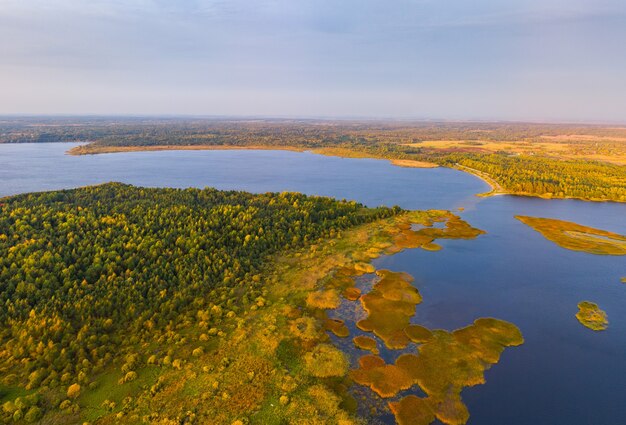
(550, 60)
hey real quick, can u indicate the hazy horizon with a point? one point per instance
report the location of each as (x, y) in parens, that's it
(547, 61)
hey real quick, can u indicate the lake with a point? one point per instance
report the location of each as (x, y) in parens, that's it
(563, 374)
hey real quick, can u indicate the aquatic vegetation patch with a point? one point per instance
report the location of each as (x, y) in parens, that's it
(352, 293)
(405, 236)
(591, 316)
(364, 342)
(337, 326)
(390, 306)
(444, 365)
(412, 410)
(417, 333)
(386, 380)
(363, 268)
(577, 237)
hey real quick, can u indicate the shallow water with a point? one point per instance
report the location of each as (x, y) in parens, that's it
(563, 374)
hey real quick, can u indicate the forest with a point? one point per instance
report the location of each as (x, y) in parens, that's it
(546, 160)
(116, 276)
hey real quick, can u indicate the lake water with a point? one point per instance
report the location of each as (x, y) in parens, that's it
(563, 374)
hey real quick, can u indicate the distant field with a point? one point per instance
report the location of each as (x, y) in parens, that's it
(588, 147)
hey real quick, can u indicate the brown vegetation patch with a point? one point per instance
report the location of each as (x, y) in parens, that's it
(338, 327)
(445, 364)
(412, 410)
(417, 333)
(408, 163)
(590, 315)
(455, 228)
(365, 343)
(577, 237)
(323, 299)
(390, 305)
(353, 293)
(386, 380)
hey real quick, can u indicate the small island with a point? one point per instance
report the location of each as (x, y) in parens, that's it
(577, 237)
(590, 316)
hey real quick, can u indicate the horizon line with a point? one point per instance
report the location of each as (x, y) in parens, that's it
(344, 118)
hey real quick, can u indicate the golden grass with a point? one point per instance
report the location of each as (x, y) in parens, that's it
(365, 343)
(390, 306)
(337, 326)
(585, 137)
(571, 146)
(352, 293)
(412, 410)
(409, 163)
(417, 333)
(404, 237)
(326, 361)
(577, 237)
(323, 299)
(445, 364)
(306, 328)
(590, 315)
(386, 380)
(92, 149)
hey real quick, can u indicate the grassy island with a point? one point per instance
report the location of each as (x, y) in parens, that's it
(577, 237)
(590, 316)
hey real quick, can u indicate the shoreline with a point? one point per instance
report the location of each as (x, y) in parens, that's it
(342, 153)
(79, 150)
(496, 188)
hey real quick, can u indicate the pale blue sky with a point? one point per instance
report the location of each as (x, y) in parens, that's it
(551, 60)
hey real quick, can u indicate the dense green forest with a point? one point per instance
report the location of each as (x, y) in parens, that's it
(533, 175)
(567, 167)
(89, 275)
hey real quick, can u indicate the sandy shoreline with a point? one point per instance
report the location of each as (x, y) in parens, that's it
(80, 150)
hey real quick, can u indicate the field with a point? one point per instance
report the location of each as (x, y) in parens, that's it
(576, 146)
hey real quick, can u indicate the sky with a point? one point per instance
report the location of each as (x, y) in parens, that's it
(522, 60)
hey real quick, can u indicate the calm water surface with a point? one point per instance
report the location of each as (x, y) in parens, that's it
(563, 374)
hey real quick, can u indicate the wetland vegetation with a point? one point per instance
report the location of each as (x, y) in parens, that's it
(577, 237)
(444, 364)
(118, 280)
(241, 334)
(590, 316)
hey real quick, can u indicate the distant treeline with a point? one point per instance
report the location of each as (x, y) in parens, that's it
(151, 131)
(536, 175)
